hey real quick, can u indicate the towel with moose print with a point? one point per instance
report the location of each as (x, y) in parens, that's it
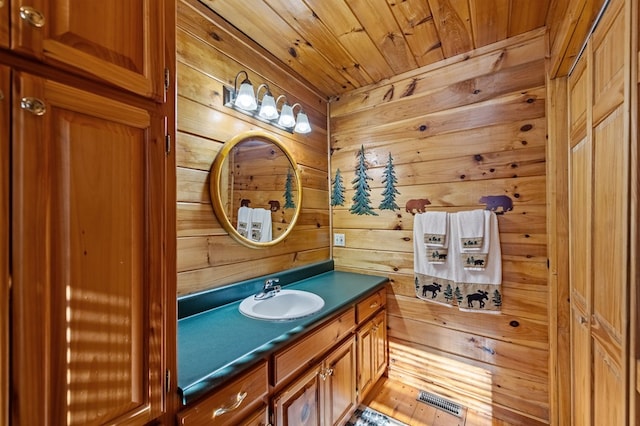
(453, 282)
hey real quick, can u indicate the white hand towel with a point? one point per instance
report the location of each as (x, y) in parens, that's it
(244, 221)
(434, 226)
(261, 225)
(471, 229)
(480, 286)
(433, 281)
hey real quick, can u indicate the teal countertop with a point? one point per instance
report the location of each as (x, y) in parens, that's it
(220, 342)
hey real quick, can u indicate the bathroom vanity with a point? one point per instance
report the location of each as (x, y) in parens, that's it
(234, 369)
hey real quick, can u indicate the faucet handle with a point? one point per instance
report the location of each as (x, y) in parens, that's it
(271, 282)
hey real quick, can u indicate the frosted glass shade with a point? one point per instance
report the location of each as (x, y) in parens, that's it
(268, 108)
(302, 123)
(286, 116)
(246, 99)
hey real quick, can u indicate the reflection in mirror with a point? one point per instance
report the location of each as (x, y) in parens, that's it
(256, 189)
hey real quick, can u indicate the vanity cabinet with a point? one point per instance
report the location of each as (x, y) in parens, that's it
(310, 377)
(233, 402)
(120, 42)
(325, 395)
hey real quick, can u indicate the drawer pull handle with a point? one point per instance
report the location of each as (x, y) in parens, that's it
(224, 410)
(326, 373)
(32, 16)
(373, 305)
(34, 105)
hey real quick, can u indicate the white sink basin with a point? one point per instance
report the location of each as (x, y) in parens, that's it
(285, 305)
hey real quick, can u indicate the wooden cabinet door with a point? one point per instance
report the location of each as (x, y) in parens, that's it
(87, 231)
(339, 377)
(5, 123)
(117, 41)
(380, 345)
(372, 353)
(365, 359)
(4, 23)
(300, 402)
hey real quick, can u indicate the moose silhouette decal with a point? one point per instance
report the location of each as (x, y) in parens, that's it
(433, 288)
(480, 296)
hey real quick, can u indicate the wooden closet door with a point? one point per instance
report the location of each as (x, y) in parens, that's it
(5, 123)
(87, 258)
(599, 224)
(610, 257)
(580, 178)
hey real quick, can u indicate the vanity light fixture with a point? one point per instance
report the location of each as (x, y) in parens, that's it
(245, 101)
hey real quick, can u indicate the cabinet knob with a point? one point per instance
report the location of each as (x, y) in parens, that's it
(326, 372)
(34, 105)
(224, 410)
(32, 16)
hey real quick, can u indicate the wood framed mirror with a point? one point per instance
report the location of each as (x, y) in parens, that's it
(255, 188)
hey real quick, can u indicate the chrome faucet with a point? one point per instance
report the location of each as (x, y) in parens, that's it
(271, 287)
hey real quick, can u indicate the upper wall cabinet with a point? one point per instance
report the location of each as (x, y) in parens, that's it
(117, 41)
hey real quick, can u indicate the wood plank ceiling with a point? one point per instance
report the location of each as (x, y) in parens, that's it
(341, 45)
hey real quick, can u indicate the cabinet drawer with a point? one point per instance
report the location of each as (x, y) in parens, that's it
(228, 405)
(304, 352)
(371, 304)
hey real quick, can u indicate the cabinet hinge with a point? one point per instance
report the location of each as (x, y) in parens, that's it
(167, 381)
(167, 141)
(167, 79)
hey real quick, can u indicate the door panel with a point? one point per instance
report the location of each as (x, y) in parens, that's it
(82, 34)
(87, 308)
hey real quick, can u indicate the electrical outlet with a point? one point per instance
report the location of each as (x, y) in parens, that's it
(338, 240)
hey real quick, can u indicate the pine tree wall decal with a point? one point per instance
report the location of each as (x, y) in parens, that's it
(337, 193)
(361, 203)
(288, 189)
(389, 181)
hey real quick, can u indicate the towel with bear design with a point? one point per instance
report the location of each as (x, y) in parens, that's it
(469, 275)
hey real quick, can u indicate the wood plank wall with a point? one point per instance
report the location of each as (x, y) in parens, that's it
(209, 55)
(474, 126)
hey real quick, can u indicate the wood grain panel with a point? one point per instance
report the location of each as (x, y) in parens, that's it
(470, 345)
(206, 278)
(526, 104)
(5, 209)
(453, 23)
(416, 23)
(523, 332)
(490, 20)
(496, 385)
(524, 49)
(210, 53)
(453, 146)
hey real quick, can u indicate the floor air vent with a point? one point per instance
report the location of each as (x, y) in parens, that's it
(440, 403)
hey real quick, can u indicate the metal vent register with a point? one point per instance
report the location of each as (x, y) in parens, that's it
(440, 403)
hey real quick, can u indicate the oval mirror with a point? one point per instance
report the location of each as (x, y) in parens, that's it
(256, 190)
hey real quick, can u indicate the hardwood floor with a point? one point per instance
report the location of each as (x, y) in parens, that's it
(398, 400)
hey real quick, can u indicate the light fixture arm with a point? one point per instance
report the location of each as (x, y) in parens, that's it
(235, 81)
